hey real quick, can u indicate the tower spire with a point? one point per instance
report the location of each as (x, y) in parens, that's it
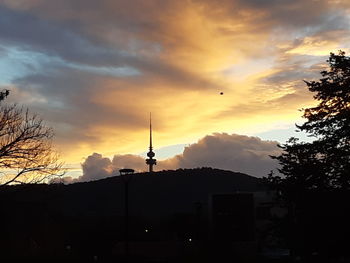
(150, 161)
(150, 131)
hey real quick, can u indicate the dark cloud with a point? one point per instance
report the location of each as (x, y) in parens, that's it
(232, 152)
(63, 180)
(69, 98)
(29, 32)
(105, 64)
(60, 39)
(96, 167)
(286, 13)
(102, 26)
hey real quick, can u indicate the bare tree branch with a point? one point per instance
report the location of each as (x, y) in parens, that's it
(26, 154)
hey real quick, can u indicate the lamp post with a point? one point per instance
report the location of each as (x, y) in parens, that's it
(126, 177)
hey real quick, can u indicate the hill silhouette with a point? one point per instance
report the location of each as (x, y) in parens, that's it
(158, 193)
(88, 217)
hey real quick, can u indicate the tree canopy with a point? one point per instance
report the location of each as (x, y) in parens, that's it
(323, 163)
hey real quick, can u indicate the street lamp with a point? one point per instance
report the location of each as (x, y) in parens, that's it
(126, 177)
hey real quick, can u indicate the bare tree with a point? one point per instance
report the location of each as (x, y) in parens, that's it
(26, 153)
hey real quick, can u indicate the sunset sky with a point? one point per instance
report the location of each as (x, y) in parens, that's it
(93, 70)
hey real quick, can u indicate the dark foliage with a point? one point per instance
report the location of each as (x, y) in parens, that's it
(323, 163)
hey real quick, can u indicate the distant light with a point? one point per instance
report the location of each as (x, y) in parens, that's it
(146, 230)
(190, 239)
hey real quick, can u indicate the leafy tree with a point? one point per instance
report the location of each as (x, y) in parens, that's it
(26, 154)
(323, 163)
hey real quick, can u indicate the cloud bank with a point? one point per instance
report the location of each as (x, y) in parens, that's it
(234, 152)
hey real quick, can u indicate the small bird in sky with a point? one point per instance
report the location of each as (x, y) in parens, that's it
(221, 93)
(4, 94)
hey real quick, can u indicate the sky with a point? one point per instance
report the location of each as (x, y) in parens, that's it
(94, 70)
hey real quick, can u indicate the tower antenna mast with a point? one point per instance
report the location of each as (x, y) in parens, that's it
(150, 161)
